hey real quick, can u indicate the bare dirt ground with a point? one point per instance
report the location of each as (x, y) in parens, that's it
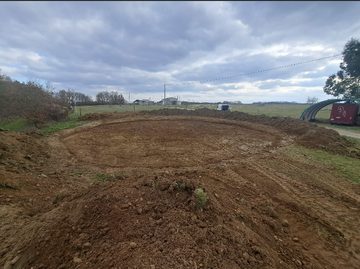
(119, 193)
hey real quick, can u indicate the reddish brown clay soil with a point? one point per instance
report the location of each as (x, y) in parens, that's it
(119, 193)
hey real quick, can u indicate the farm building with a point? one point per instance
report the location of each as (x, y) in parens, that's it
(144, 102)
(171, 101)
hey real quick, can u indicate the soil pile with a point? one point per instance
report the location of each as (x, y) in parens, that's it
(154, 222)
(20, 151)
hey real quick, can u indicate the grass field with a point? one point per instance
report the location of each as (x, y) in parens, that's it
(271, 110)
(14, 125)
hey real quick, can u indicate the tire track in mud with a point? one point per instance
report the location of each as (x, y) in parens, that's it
(214, 141)
(239, 179)
(287, 183)
(337, 187)
(299, 190)
(305, 195)
(325, 211)
(314, 205)
(344, 218)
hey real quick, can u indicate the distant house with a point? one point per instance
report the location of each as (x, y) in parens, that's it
(171, 101)
(144, 102)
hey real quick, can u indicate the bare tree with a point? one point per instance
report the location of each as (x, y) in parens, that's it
(101, 97)
(111, 98)
(312, 100)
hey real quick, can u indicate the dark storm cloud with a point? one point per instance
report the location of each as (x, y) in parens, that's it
(137, 47)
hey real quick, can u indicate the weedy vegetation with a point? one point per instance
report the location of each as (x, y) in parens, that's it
(60, 126)
(200, 198)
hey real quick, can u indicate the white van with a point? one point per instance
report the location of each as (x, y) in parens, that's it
(224, 107)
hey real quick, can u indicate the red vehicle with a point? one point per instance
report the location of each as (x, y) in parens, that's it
(345, 113)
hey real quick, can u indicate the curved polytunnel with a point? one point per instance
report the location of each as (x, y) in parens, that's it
(310, 112)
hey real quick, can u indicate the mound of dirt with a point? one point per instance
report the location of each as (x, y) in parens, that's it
(153, 222)
(20, 152)
(106, 116)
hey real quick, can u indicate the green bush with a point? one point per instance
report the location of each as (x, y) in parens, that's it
(201, 198)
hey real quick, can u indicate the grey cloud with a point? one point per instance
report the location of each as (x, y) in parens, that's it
(136, 46)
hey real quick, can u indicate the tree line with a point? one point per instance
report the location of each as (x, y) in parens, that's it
(30, 100)
(79, 99)
(111, 98)
(40, 103)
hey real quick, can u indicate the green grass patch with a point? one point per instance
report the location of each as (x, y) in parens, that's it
(355, 148)
(60, 126)
(355, 141)
(346, 167)
(18, 125)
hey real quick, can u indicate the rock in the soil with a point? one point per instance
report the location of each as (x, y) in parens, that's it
(13, 261)
(246, 256)
(133, 245)
(77, 260)
(87, 245)
(295, 239)
(285, 223)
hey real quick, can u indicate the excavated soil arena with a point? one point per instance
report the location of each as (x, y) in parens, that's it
(118, 192)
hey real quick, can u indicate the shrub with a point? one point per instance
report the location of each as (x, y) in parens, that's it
(31, 101)
(201, 198)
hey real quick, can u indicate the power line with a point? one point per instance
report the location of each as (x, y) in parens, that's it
(255, 72)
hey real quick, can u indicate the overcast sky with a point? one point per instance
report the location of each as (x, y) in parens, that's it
(137, 47)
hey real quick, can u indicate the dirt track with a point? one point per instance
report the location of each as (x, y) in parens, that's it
(269, 205)
(346, 133)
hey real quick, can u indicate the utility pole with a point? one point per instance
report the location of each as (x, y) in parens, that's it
(164, 94)
(74, 96)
